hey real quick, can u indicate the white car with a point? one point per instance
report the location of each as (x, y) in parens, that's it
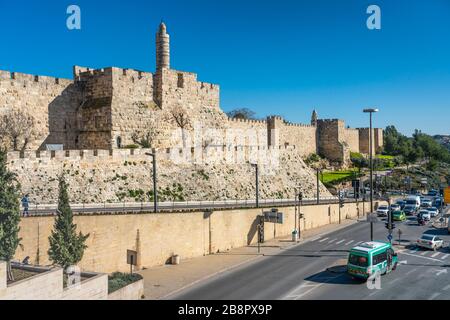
(382, 211)
(425, 214)
(433, 211)
(430, 241)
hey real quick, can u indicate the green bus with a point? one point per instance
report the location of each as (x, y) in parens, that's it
(371, 257)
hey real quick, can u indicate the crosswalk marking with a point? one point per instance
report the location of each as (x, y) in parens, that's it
(349, 242)
(414, 250)
(436, 254)
(324, 239)
(331, 241)
(446, 287)
(445, 256)
(340, 241)
(424, 253)
(434, 296)
(358, 243)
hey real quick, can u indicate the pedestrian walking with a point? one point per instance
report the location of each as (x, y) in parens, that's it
(26, 205)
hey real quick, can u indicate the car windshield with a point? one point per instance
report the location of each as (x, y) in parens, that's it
(397, 212)
(432, 209)
(427, 237)
(411, 202)
(358, 260)
(382, 207)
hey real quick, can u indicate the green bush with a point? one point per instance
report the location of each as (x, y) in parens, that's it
(118, 280)
(131, 146)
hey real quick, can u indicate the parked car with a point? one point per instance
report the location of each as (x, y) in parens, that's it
(382, 211)
(433, 211)
(424, 214)
(398, 215)
(430, 241)
(410, 209)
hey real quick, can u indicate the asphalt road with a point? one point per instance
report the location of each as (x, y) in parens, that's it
(300, 272)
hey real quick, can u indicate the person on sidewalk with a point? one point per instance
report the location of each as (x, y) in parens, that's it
(26, 205)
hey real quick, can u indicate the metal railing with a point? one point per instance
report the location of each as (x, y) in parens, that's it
(118, 207)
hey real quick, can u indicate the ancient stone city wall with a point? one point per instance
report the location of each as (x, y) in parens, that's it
(98, 176)
(158, 236)
(51, 101)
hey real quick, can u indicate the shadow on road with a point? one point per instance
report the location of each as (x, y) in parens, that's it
(334, 278)
(437, 232)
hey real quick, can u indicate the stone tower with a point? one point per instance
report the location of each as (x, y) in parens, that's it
(314, 118)
(162, 48)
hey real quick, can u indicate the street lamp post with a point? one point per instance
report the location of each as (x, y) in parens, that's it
(318, 186)
(370, 112)
(155, 192)
(255, 165)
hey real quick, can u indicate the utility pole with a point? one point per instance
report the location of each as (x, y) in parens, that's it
(255, 165)
(155, 192)
(371, 111)
(318, 186)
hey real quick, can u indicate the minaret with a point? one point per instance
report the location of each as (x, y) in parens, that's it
(162, 48)
(314, 118)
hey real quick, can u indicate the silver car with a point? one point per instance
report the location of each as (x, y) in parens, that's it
(425, 214)
(433, 211)
(430, 241)
(382, 211)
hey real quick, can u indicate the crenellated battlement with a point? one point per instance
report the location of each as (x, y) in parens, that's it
(30, 79)
(247, 121)
(215, 153)
(301, 125)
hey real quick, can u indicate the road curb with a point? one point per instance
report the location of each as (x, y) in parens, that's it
(210, 276)
(252, 260)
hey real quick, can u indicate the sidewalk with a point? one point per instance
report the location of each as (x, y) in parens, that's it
(161, 281)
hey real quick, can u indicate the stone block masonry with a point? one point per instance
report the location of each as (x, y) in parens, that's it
(108, 108)
(97, 176)
(157, 237)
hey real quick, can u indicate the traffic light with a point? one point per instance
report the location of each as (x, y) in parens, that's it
(392, 226)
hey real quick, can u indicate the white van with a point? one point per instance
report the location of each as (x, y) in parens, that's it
(414, 200)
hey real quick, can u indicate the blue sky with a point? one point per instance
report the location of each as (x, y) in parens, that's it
(275, 57)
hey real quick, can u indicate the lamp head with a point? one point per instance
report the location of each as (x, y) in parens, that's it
(370, 110)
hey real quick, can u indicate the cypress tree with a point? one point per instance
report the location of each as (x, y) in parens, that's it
(66, 246)
(9, 214)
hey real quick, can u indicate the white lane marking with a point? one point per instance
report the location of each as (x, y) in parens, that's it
(331, 241)
(410, 271)
(349, 242)
(445, 256)
(434, 295)
(296, 294)
(435, 255)
(340, 241)
(324, 239)
(446, 287)
(420, 256)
